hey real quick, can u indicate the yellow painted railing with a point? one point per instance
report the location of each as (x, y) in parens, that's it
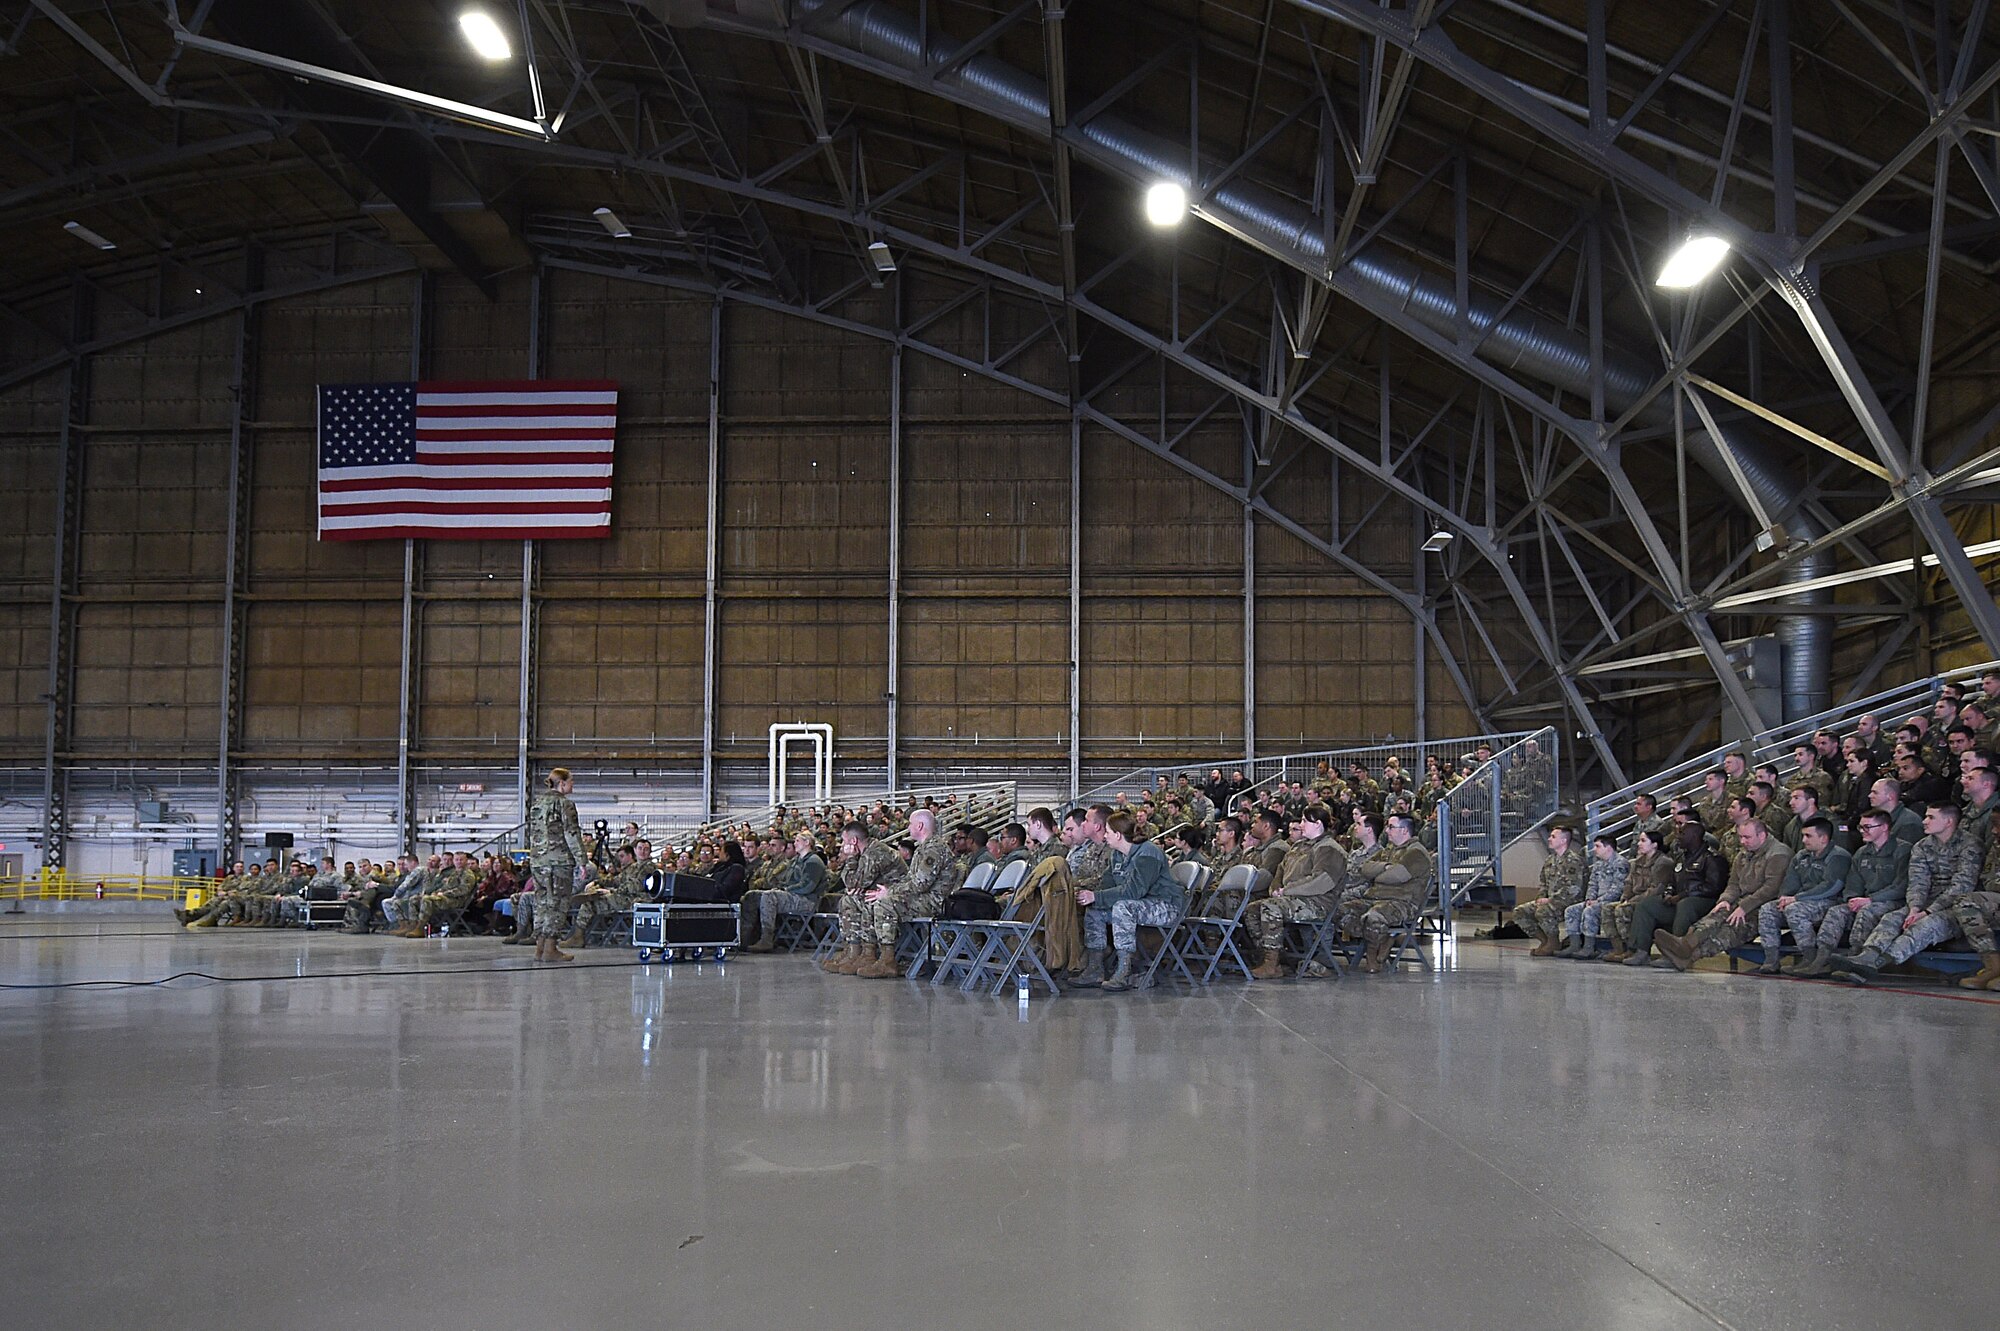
(59, 885)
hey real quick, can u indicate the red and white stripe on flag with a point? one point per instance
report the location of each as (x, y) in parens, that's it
(466, 461)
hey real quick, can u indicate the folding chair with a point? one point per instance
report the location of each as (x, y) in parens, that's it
(913, 945)
(1408, 939)
(1168, 948)
(825, 928)
(614, 929)
(1244, 880)
(1318, 940)
(1008, 952)
(962, 940)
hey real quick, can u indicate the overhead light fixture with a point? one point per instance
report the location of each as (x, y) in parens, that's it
(878, 253)
(1439, 539)
(1691, 264)
(1166, 204)
(612, 223)
(87, 236)
(484, 35)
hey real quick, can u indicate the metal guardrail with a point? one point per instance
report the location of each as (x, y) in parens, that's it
(986, 798)
(1493, 807)
(58, 885)
(1411, 755)
(1613, 812)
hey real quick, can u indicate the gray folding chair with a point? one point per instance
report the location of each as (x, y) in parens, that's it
(1008, 952)
(1225, 930)
(957, 943)
(1169, 946)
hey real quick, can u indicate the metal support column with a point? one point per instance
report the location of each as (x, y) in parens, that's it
(1075, 602)
(406, 686)
(708, 637)
(62, 594)
(525, 734)
(1420, 676)
(1249, 634)
(236, 574)
(895, 549)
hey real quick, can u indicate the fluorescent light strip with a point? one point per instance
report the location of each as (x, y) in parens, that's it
(443, 106)
(1980, 550)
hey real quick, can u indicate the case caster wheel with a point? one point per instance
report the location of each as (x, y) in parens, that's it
(645, 954)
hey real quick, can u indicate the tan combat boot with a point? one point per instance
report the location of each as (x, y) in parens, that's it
(1988, 972)
(884, 966)
(833, 963)
(1269, 968)
(1547, 947)
(858, 958)
(575, 939)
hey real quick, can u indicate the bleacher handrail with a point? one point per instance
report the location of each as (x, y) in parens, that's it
(990, 796)
(1614, 810)
(1485, 782)
(1301, 766)
(62, 885)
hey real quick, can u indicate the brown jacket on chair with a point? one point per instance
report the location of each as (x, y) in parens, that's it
(1062, 927)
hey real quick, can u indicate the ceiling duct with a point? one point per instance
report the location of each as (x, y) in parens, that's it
(882, 36)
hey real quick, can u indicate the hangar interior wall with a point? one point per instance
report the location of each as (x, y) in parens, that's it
(803, 571)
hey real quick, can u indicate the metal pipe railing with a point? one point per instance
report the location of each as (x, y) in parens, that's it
(1614, 811)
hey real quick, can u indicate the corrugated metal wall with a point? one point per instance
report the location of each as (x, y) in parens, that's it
(804, 551)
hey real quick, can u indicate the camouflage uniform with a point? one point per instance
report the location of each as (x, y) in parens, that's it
(1755, 878)
(400, 906)
(1940, 873)
(1398, 884)
(1139, 891)
(555, 848)
(860, 919)
(930, 878)
(368, 893)
(1880, 875)
(1307, 889)
(1089, 862)
(1818, 781)
(1559, 884)
(618, 895)
(452, 891)
(1819, 883)
(795, 890)
(1604, 885)
(1649, 875)
(1978, 912)
(1714, 813)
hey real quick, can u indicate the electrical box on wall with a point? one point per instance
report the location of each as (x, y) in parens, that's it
(194, 864)
(152, 811)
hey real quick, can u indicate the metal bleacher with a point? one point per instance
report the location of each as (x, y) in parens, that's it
(1613, 812)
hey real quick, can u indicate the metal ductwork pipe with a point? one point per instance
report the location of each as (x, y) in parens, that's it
(1522, 342)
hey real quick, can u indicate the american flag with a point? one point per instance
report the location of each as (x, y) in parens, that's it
(466, 461)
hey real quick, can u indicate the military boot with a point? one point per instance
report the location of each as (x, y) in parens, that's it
(862, 959)
(1675, 949)
(1860, 968)
(1378, 951)
(1573, 949)
(575, 938)
(1547, 947)
(1092, 974)
(763, 944)
(1811, 961)
(1122, 979)
(1771, 956)
(1619, 952)
(884, 966)
(1988, 972)
(833, 963)
(520, 935)
(1269, 968)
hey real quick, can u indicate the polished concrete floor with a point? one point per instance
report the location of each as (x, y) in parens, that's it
(440, 1134)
